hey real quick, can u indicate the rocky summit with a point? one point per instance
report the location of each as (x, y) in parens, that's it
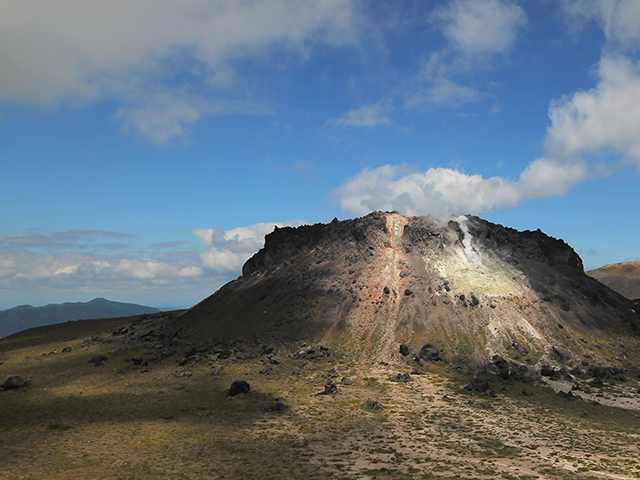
(383, 287)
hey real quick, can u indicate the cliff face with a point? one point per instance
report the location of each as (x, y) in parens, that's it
(370, 284)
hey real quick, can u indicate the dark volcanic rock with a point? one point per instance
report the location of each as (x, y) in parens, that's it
(404, 350)
(238, 387)
(480, 385)
(372, 405)
(329, 388)
(98, 360)
(401, 377)
(432, 351)
(13, 382)
(547, 371)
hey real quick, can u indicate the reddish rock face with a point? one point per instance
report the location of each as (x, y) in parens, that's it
(369, 284)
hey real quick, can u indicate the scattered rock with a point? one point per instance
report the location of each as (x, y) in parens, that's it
(596, 382)
(401, 377)
(137, 361)
(13, 382)
(182, 373)
(474, 301)
(432, 351)
(547, 371)
(480, 385)
(66, 349)
(98, 360)
(329, 388)
(404, 350)
(563, 354)
(502, 367)
(268, 350)
(347, 381)
(238, 387)
(120, 331)
(308, 352)
(408, 292)
(386, 290)
(372, 405)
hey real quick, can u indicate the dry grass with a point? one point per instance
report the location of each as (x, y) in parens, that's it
(78, 421)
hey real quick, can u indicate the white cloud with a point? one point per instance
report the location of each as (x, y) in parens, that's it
(443, 191)
(619, 19)
(604, 119)
(227, 251)
(366, 116)
(479, 27)
(79, 51)
(71, 261)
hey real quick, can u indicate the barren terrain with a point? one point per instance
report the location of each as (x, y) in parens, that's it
(169, 417)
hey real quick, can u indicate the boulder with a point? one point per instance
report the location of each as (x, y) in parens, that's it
(98, 360)
(547, 370)
(404, 350)
(238, 387)
(329, 388)
(432, 351)
(13, 382)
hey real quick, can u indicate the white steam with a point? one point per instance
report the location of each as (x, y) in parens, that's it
(471, 253)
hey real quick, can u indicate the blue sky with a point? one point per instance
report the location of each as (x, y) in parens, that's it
(147, 147)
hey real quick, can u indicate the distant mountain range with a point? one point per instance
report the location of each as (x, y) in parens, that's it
(25, 316)
(622, 277)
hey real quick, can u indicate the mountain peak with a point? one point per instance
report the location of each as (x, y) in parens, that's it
(370, 284)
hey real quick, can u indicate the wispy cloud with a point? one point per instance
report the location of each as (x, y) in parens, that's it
(369, 115)
(476, 32)
(619, 20)
(443, 92)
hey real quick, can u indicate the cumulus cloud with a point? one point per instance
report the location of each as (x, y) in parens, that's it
(480, 27)
(131, 52)
(443, 191)
(366, 116)
(603, 119)
(226, 251)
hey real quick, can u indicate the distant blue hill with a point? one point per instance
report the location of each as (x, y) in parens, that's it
(25, 316)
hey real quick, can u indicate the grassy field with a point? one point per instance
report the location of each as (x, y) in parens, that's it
(148, 413)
